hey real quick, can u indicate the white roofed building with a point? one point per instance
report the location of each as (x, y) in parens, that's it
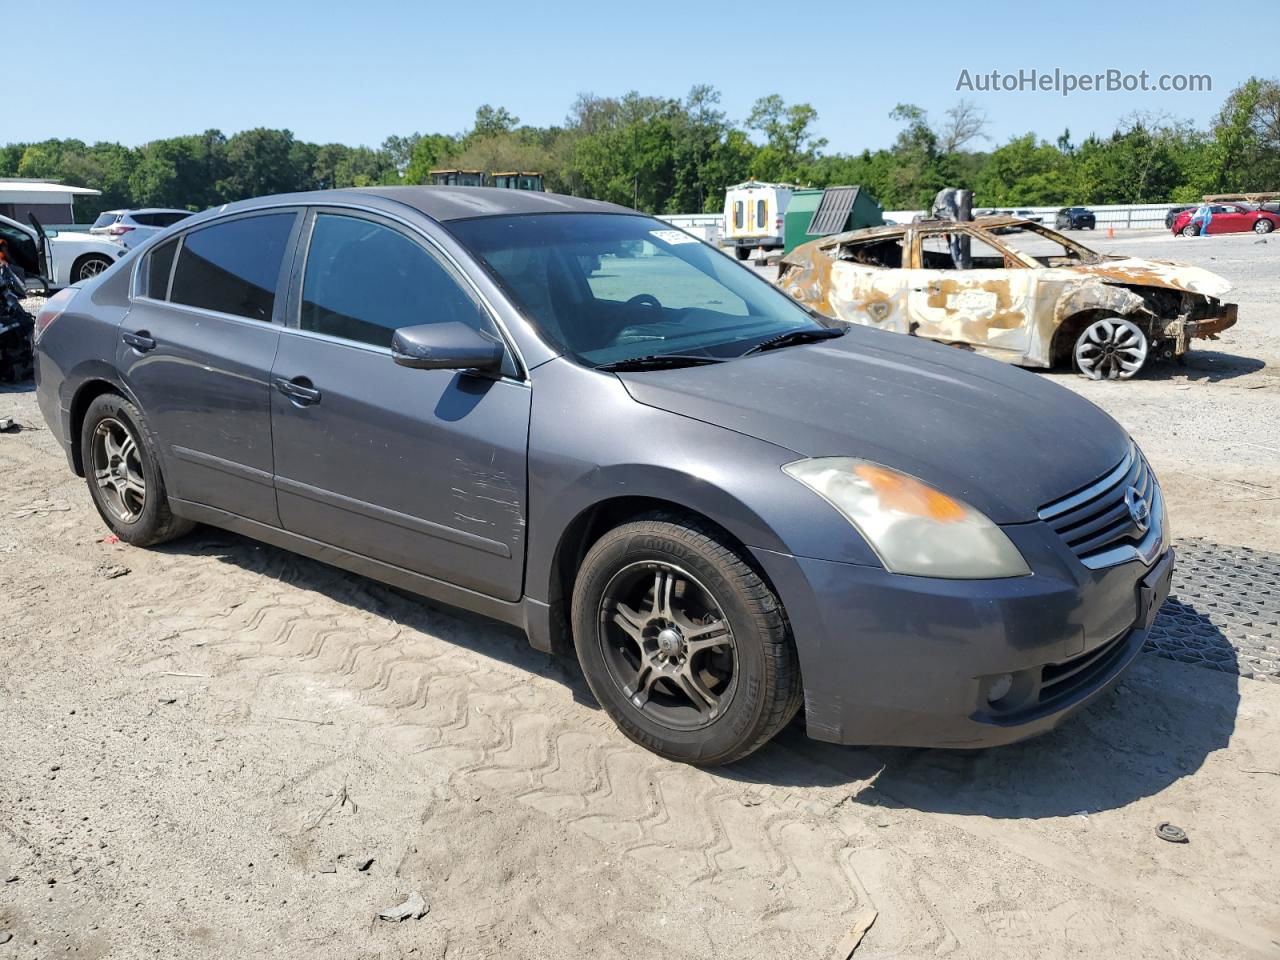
(50, 202)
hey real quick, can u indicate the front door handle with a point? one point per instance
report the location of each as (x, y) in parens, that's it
(140, 341)
(299, 390)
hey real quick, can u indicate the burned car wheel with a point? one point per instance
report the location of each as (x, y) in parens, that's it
(1111, 349)
(123, 474)
(1263, 226)
(683, 643)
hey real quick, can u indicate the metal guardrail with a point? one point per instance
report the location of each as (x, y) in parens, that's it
(1135, 216)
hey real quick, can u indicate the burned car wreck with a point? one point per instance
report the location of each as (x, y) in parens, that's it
(1011, 289)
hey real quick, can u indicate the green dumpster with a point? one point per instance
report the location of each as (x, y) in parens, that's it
(820, 213)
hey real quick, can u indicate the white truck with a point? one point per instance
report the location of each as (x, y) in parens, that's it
(753, 213)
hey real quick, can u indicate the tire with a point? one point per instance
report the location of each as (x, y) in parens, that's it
(665, 574)
(141, 518)
(1190, 230)
(742, 252)
(1263, 226)
(1111, 348)
(88, 267)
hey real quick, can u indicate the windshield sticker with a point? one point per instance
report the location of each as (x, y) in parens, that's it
(673, 236)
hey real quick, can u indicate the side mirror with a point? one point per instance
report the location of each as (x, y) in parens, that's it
(446, 346)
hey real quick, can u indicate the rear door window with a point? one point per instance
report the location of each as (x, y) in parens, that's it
(106, 219)
(233, 266)
(364, 281)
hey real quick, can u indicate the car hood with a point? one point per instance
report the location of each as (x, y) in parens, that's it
(1157, 273)
(1003, 440)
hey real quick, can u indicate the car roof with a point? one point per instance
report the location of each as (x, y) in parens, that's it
(449, 203)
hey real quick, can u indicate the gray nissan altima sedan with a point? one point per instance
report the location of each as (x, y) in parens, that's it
(571, 417)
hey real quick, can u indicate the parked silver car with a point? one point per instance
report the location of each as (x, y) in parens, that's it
(574, 418)
(130, 227)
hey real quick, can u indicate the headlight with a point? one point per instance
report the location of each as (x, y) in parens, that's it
(913, 528)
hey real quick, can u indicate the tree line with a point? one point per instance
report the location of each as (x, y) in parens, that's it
(666, 155)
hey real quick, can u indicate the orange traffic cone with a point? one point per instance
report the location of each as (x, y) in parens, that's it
(1111, 232)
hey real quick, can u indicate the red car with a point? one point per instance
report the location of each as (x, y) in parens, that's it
(1227, 218)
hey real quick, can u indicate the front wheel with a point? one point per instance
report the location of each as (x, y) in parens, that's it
(683, 643)
(123, 473)
(1190, 230)
(1263, 226)
(742, 252)
(1111, 349)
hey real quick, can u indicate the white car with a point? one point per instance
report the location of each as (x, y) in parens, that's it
(60, 259)
(130, 227)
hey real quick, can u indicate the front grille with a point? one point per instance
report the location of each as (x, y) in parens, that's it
(1096, 520)
(1058, 680)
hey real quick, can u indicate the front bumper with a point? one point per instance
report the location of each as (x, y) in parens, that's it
(910, 661)
(1212, 326)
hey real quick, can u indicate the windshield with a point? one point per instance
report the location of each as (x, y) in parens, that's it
(1047, 247)
(614, 287)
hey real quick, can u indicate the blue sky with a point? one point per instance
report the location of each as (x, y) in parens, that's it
(356, 72)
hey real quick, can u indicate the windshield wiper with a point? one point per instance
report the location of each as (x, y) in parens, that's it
(794, 337)
(659, 361)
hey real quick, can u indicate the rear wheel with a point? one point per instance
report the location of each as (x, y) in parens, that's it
(1111, 348)
(89, 266)
(1263, 226)
(123, 474)
(742, 252)
(682, 642)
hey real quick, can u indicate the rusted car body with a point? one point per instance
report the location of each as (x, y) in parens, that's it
(1029, 295)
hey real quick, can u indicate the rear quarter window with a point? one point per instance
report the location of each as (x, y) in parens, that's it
(234, 266)
(159, 266)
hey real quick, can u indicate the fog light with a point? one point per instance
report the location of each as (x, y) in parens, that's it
(999, 687)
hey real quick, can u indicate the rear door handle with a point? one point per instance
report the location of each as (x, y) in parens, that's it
(140, 341)
(298, 389)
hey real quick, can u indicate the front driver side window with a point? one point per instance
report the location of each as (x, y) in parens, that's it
(364, 281)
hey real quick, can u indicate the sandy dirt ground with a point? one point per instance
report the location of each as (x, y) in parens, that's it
(203, 746)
